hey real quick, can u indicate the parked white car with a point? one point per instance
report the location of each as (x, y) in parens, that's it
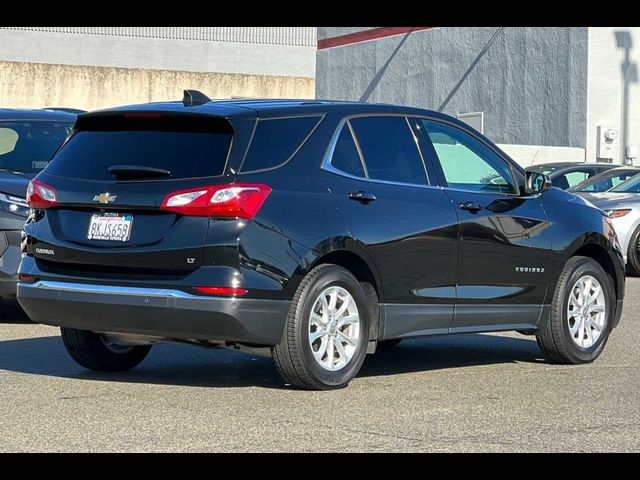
(622, 204)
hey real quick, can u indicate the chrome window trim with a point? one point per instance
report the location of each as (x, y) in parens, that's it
(326, 159)
(320, 117)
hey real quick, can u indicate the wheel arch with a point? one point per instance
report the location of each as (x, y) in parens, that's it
(600, 255)
(600, 249)
(345, 253)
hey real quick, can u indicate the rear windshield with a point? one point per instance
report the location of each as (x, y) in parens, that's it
(27, 146)
(186, 147)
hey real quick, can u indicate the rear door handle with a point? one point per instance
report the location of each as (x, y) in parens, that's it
(361, 196)
(470, 206)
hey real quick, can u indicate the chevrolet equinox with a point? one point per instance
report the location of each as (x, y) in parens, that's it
(317, 229)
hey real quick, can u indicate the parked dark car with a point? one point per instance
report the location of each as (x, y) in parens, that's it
(565, 175)
(606, 180)
(28, 139)
(315, 229)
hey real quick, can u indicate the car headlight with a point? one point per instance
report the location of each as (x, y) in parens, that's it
(15, 205)
(617, 213)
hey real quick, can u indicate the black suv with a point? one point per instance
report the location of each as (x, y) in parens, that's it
(317, 229)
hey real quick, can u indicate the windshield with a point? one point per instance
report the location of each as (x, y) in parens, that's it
(630, 186)
(604, 181)
(26, 146)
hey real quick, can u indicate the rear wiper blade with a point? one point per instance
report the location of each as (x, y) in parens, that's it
(137, 171)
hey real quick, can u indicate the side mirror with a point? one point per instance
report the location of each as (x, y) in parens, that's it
(536, 182)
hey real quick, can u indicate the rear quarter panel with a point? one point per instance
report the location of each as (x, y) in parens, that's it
(298, 224)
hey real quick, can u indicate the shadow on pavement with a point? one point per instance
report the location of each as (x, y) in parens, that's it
(185, 365)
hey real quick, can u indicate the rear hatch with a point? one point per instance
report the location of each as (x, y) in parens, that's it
(111, 178)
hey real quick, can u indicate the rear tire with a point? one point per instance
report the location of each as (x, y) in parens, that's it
(93, 351)
(577, 331)
(633, 255)
(309, 356)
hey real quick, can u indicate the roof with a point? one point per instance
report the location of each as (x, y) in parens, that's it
(274, 107)
(36, 114)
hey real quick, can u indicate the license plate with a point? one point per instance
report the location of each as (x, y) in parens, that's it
(110, 226)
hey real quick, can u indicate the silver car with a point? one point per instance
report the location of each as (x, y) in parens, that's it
(622, 204)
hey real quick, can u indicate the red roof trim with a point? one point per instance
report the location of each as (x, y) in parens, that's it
(364, 35)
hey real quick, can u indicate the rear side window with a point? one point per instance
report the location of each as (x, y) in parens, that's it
(389, 149)
(345, 154)
(275, 140)
(187, 147)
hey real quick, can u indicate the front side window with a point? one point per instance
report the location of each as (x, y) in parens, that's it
(466, 162)
(27, 146)
(389, 149)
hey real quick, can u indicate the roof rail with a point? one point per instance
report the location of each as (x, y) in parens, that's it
(194, 97)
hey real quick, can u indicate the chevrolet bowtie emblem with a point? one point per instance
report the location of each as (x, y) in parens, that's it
(104, 198)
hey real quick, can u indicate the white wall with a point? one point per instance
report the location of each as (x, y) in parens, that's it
(528, 155)
(188, 51)
(605, 86)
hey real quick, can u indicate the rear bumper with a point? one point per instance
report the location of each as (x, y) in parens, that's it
(170, 314)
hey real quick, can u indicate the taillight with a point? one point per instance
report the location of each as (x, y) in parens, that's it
(25, 278)
(41, 195)
(226, 291)
(242, 200)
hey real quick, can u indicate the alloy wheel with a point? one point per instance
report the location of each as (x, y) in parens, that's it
(334, 328)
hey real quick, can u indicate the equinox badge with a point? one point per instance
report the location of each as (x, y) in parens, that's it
(104, 198)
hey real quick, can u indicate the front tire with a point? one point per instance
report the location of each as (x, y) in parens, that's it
(581, 314)
(96, 352)
(327, 331)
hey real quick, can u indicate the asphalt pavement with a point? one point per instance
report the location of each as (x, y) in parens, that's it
(458, 393)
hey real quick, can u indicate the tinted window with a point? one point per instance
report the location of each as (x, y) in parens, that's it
(187, 147)
(27, 147)
(389, 149)
(632, 185)
(466, 162)
(618, 179)
(276, 140)
(345, 154)
(603, 181)
(575, 178)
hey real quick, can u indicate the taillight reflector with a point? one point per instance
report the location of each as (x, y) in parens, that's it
(241, 200)
(226, 291)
